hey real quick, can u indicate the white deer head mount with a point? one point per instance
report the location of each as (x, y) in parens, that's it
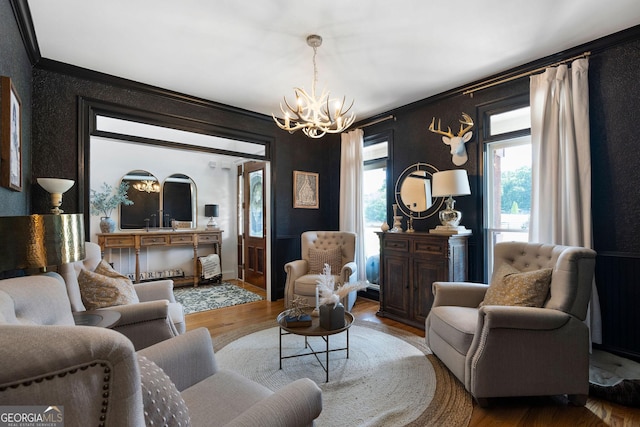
(456, 142)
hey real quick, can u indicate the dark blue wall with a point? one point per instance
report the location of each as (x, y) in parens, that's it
(14, 63)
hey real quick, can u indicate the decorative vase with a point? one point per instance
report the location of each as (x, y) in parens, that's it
(332, 316)
(107, 224)
(384, 227)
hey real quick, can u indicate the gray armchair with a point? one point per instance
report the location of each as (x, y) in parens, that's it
(301, 275)
(96, 375)
(501, 351)
(157, 317)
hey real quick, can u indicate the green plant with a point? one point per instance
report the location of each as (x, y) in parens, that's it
(104, 202)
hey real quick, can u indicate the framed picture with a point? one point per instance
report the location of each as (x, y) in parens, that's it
(10, 136)
(305, 190)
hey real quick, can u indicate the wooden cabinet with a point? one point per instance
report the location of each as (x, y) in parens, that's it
(147, 239)
(409, 264)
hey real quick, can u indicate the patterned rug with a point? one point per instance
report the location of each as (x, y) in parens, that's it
(390, 378)
(210, 297)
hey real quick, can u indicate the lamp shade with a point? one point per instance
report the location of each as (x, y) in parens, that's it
(451, 183)
(55, 185)
(39, 241)
(211, 210)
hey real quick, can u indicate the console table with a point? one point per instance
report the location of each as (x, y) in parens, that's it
(163, 238)
(409, 264)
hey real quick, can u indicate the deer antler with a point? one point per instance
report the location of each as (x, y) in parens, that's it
(431, 128)
(466, 121)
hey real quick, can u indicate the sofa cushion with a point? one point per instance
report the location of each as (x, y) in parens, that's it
(163, 403)
(456, 324)
(509, 286)
(105, 287)
(319, 257)
(306, 285)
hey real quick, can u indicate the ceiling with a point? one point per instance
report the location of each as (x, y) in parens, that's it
(382, 54)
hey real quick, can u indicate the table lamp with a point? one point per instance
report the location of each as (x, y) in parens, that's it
(448, 184)
(56, 187)
(212, 212)
(39, 241)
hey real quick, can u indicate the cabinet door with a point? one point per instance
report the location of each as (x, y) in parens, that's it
(425, 272)
(396, 285)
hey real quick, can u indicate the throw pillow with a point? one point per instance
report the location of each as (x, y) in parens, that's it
(105, 269)
(509, 286)
(163, 403)
(101, 290)
(319, 257)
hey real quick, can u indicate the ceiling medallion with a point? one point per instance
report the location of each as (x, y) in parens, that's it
(316, 116)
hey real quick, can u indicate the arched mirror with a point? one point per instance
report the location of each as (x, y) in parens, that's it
(179, 200)
(144, 191)
(413, 191)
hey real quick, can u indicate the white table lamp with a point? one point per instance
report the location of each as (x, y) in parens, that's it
(448, 184)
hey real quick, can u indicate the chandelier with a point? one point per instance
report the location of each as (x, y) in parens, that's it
(148, 186)
(316, 116)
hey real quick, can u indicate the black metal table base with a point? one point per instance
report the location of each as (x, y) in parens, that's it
(325, 365)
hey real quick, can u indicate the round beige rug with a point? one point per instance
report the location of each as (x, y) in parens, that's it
(389, 379)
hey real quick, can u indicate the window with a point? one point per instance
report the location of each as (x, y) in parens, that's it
(507, 178)
(375, 154)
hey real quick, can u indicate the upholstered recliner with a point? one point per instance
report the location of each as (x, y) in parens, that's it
(157, 317)
(502, 351)
(97, 377)
(317, 247)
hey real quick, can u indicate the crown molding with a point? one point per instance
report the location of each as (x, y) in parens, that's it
(22, 13)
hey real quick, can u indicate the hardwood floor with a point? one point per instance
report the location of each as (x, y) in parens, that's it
(507, 412)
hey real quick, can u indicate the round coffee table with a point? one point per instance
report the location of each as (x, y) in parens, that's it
(315, 330)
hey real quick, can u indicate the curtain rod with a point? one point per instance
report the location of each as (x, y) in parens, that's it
(381, 119)
(498, 80)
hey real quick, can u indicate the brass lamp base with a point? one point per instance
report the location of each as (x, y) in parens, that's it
(450, 230)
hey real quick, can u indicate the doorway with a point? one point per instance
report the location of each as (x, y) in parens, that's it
(252, 214)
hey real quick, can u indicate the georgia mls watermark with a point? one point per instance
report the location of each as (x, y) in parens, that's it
(32, 416)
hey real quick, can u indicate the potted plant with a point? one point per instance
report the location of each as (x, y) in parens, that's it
(102, 203)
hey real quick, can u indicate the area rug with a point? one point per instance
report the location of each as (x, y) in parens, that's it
(389, 379)
(210, 297)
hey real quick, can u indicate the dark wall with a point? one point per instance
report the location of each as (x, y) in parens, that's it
(55, 148)
(14, 63)
(614, 87)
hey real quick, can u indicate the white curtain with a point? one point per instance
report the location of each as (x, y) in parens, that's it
(561, 172)
(351, 201)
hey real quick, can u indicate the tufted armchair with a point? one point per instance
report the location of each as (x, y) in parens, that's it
(334, 247)
(96, 375)
(157, 317)
(508, 350)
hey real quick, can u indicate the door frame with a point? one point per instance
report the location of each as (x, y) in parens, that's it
(268, 223)
(89, 108)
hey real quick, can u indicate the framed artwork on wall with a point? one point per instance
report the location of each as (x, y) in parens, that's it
(10, 136)
(305, 190)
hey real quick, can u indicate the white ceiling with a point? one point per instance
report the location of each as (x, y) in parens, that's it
(382, 54)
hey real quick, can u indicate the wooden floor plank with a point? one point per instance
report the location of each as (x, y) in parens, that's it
(507, 412)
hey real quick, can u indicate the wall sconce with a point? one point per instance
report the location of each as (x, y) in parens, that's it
(56, 187)
(448, 184)
(212, 212)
